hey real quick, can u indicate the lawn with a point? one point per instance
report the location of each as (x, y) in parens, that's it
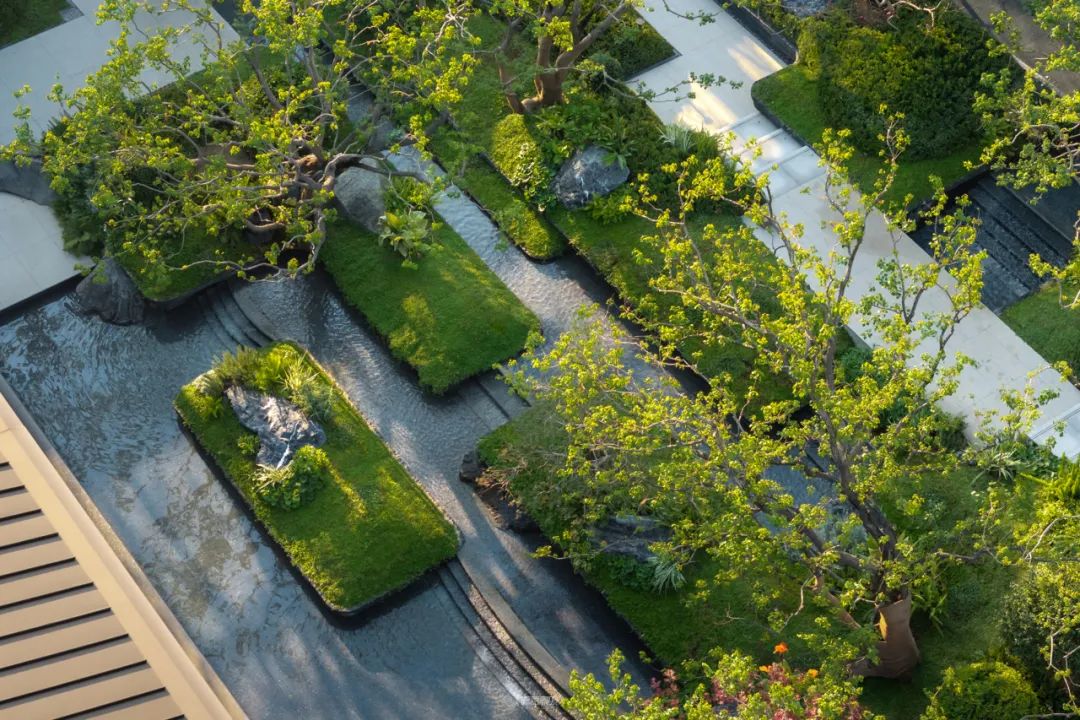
(791, 96)
(1051, 330)
(30, 18)
(369, 531)
(449, 318)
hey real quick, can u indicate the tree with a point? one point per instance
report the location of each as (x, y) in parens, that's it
(258, 137)
(1035, 127)
(564, 30)
(732, 686)
(861, 429)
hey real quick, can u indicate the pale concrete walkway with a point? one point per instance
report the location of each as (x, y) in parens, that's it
(726, 49)
(32, 258)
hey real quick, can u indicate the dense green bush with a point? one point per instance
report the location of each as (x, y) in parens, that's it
(633, 45)
(295, 484)
(928, 74)
(1045, 602)
(982, 691)
(11, 11)
(519, 157)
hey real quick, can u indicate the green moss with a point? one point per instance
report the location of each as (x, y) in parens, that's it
(370, 531)
(792, 95)
(162, 283)
(449, 318)
(1052, 330)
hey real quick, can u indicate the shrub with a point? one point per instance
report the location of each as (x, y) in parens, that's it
(1044, 604)
(928, 74)
(295, 484)
(981, 691)
(634, 46)
(521, 160)
(11, 12)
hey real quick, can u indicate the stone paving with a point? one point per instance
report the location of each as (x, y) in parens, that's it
(32, 258)
(728, 50)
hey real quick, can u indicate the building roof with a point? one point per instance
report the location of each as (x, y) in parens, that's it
(82, 632)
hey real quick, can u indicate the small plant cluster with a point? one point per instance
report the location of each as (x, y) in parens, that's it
(980, 691)
(282, 372)
(529, 149)
(296, 483)
(408, 223)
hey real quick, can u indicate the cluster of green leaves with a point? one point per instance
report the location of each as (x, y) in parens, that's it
(448, 316)
(982, 690)
(295, 483)
(927, 71)
(630, 47)
(252, 141)
(369, 530)
(732, 685)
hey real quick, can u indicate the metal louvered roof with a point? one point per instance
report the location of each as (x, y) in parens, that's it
(82, 634)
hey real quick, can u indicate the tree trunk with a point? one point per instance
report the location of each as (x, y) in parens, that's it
(898, 653)
(549, 91)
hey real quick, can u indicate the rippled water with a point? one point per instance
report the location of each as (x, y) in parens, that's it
(103, 395)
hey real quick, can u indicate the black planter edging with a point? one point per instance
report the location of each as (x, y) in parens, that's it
(346, 618)
(771, 37)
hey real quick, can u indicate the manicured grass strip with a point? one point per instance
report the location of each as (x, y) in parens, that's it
(449, 318)
(369, 531)
(33, 17)
(1052, 330)
(792, 96)
(525, 226)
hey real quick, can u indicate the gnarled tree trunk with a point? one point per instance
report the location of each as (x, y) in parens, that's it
(898, 653)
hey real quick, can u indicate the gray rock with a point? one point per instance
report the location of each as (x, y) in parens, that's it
(26, 182)
(360, 194)
(806, 8)
(590, 173)
(471, 467)
(630, 536)
(111, 294)
(361, 110)
(282, 427)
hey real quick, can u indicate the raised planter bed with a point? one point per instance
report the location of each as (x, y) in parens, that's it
(368, 532)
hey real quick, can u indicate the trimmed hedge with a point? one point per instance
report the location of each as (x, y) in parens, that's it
(369, 530)
(449, 318)
(930, 74)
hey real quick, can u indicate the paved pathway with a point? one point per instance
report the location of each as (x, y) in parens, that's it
(32, 258)
(727, 49)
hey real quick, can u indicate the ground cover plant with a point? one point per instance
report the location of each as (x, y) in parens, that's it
(20, 19)
(448, 316)
(367, 528)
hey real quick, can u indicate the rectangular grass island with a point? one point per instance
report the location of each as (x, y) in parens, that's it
(368, 529)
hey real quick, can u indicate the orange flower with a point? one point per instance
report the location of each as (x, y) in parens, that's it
(780, 649)
(812, 672)
(764, 668)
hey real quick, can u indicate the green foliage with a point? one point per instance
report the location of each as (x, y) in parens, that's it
(296, 483)
(980, 691)
(1065, 483)
(369, 530)
(927, 74)
(792, 95)
(1046, 323)
(1041, 627)
(248, 443)
(251, 143)
(520, 159)
(449, 317)
(634, 46)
